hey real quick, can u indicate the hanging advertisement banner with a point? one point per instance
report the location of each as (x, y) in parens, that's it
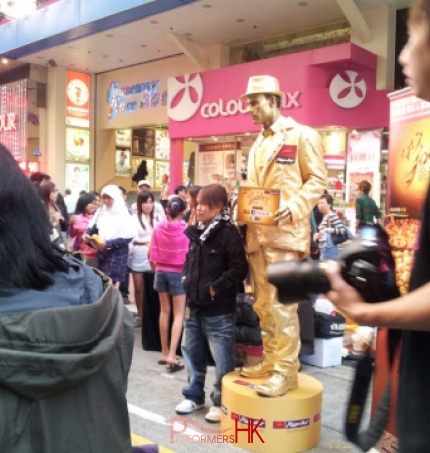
(13, 118)
(407, 182)
(78, 99)
(363, 156)
(409, 155)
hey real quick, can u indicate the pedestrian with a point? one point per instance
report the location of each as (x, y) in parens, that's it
(212, 276)
(411, 312)
(169, 246)
(366, 211)
(65, 338)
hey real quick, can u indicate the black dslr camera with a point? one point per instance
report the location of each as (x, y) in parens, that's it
(366, 264)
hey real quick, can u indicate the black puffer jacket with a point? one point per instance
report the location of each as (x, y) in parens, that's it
(220, 263)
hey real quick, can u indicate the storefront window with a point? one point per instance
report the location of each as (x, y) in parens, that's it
(218, 159)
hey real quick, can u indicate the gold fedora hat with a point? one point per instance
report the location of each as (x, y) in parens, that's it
(262, 84)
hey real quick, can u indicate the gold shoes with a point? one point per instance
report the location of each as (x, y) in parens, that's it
(253, 372)
(277, 385)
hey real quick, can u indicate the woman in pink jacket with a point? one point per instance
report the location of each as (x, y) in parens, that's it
(169, 247)
(85, 208)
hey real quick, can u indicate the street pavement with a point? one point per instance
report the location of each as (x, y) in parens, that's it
(153, 394)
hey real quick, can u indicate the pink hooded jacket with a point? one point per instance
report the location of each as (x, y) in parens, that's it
(169, 246)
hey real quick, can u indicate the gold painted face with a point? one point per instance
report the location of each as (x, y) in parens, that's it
(262, 110)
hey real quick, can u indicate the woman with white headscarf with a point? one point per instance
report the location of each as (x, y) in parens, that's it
(110, 231)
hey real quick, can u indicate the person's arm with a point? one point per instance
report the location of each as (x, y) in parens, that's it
(336, 225)
(409, 312)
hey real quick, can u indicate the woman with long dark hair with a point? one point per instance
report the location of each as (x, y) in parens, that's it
(190, 215)
(49, 195)
(145, 220)
(64, 345)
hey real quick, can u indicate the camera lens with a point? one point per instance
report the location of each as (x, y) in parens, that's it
(296, 280)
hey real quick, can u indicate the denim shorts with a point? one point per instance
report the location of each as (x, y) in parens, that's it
(168, 282)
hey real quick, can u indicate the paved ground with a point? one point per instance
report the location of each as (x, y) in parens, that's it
(153, 394)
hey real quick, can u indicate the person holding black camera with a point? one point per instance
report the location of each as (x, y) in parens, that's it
(411, 312)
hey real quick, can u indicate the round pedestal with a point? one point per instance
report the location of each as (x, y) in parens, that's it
(290, 423)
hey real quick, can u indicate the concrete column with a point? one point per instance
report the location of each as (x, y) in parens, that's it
(382, 22)
(176, 163)
(53, 141)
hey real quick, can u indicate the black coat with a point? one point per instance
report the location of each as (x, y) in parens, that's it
(220, 262)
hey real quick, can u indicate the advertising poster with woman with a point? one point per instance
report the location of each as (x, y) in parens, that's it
(77, 177)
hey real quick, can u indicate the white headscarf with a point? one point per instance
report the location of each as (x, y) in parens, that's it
(114, 222)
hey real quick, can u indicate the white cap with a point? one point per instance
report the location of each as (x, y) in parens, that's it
(144, 182)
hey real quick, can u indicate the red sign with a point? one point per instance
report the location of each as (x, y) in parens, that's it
(225, 146)
(78, 99)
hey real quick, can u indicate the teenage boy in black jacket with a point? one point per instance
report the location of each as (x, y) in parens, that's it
(214, 269)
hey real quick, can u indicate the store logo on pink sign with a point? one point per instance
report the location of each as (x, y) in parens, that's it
(347, 90)
(185, 96)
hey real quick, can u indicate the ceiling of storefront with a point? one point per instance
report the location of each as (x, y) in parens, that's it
(203, 23)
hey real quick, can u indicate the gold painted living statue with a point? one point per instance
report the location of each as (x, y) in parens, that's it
(287, 156)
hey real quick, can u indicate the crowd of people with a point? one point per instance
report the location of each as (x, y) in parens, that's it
(67, 339)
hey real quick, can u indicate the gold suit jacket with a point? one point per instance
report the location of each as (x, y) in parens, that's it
(294, 164)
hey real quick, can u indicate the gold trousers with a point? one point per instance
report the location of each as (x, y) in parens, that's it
(279, 323)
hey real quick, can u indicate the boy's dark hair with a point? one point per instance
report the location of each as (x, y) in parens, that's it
(328, 198)
(142, 197)
(83, 201)
(175, 206)
(179, 189)
(27, 257)
(213, 196)
(95, 193)
(365, 187)
(67, 191)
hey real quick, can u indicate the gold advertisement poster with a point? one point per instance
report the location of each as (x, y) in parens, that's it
(257, 205)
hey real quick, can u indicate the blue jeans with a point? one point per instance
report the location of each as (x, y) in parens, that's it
(329, 253)
(201, 334)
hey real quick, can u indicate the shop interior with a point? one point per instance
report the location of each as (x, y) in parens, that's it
(223, 159)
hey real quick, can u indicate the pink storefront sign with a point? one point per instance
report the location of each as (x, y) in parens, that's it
(323, 87)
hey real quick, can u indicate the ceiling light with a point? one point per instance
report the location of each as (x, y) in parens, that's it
(207, 5)
(120, 61)
(4, 60)
(188, 34)
(240, 20)
(154, 22)
(190, 139)
(303, 3)
(144, 46)
(110, 35)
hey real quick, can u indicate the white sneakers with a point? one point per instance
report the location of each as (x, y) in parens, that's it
(186, 407)
(214, 415)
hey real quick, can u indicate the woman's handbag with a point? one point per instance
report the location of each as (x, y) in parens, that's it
(341, 238)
